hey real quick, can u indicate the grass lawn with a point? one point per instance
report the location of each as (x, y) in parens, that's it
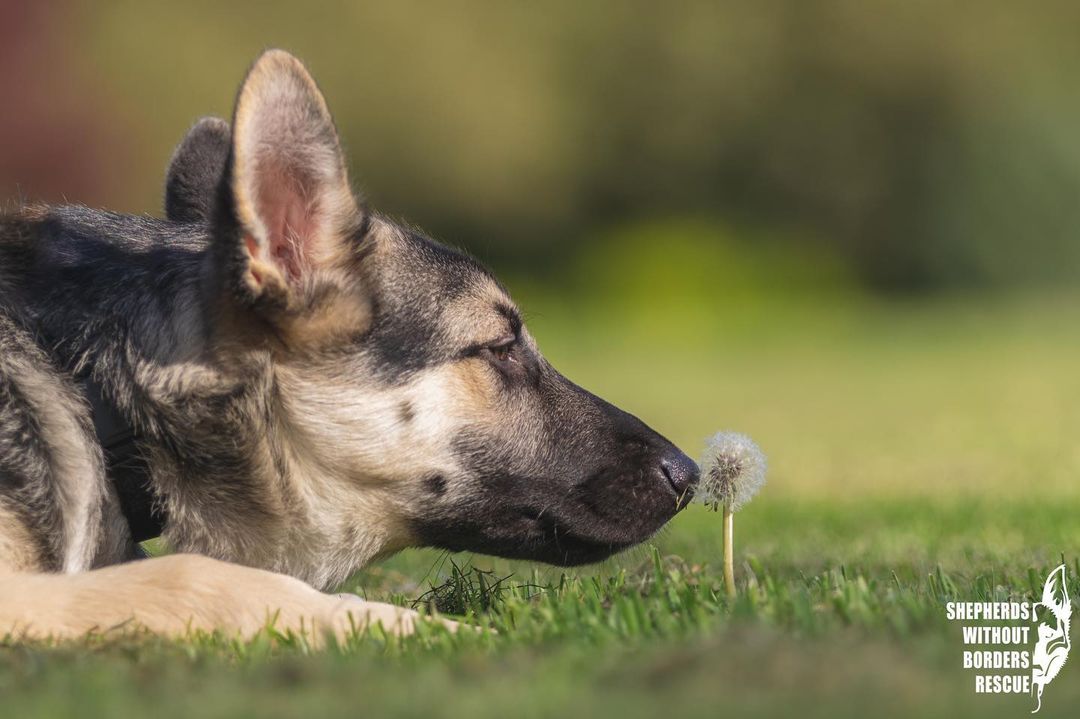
(917, 453)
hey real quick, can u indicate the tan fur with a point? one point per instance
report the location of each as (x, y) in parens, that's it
(473, 383)
(16, 545)
(176, 595)
(341, 315)
(474, 315)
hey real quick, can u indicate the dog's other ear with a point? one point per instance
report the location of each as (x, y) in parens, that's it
(294, 212)
(196, 171)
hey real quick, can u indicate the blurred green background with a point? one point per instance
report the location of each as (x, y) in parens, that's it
(907, 146)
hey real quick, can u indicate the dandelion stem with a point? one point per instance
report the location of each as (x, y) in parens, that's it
(729, 551)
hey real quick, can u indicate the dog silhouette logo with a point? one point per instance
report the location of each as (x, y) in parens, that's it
(1052, 645)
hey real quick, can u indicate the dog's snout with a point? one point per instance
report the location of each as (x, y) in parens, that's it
(680, 471)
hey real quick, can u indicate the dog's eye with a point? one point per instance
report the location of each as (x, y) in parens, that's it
(503, 352)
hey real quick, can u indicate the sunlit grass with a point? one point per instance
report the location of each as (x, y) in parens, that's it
(652, 632)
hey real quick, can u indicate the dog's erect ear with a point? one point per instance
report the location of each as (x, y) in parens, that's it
(294, 211)
(196, 171)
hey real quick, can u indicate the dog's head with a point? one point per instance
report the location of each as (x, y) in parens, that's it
(405, 379)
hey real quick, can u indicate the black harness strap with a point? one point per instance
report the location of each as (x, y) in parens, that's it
(125, 466)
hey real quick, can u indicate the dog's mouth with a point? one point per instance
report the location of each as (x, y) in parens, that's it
(566, 549)
(589, 522)
(530, 536)
(555, 540)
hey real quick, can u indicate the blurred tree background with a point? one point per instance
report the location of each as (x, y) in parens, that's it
(905, 147)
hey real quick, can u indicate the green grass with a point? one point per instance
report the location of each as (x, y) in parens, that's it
(837, 607)
(918, 453)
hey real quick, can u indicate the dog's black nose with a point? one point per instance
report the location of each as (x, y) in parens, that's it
(680, 471)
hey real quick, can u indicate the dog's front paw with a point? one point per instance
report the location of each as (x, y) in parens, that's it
(353, 614)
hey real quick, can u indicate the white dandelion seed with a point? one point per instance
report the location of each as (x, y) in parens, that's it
(732, 472)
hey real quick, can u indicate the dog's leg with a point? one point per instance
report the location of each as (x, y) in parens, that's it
(57, 511)
(174, 595)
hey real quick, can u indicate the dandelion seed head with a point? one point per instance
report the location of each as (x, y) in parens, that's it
(732, 471)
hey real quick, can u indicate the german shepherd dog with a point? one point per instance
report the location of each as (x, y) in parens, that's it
(300, 386)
